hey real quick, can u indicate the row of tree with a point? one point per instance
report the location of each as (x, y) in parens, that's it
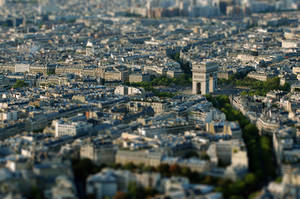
(20, 84)
(239, 189)
(262, 163)
(182, 80)
(82, 168)
(136, 191)
(256, 87)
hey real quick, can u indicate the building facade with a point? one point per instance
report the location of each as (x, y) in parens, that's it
(204, 77)
(101, 152)
(70, 128)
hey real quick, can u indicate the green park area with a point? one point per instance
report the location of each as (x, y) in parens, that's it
(182, 80)
(255, 87)
(20, 84)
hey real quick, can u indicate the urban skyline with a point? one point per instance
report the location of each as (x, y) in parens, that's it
(191, 99)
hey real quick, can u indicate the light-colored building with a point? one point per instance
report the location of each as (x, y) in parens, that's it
(139, 157)
(107, 182)
(224, 74)
(198, 113)
(101, 152)
(127, 90)
(265, 124)
(290, 44)
(158, 107)
(63, 188)
(116, 76)
(230, 156)
(204, 77)
(239, 165)
(226, 128)
(296, 70)
(16, 165)
(45, 69)
(102, 185)
(224, 152)
(258, 76)
(70, 128)
(139, 78)
(245, 58)
(10, 68)
(2, 2)
(8, 116)
(22, 68)
(89, 50)
(295, 87)
(52, 80)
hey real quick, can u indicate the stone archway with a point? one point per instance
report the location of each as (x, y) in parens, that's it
(198, 88)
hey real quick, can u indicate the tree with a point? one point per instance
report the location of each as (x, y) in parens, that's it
(82, 168)
(185, 171)
(130, 166)
(191, 154)
(120, 195)
(148, 168)
(250, 181)
(36, 193)
(262, 162)
(236, 197)
(19, 84)
(250, 129)
(163, 168)
(174, 169)
(136, 191)
(90, 196)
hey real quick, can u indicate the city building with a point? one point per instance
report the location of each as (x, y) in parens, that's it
(100, 152)
(63, 128)
(204, 77)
